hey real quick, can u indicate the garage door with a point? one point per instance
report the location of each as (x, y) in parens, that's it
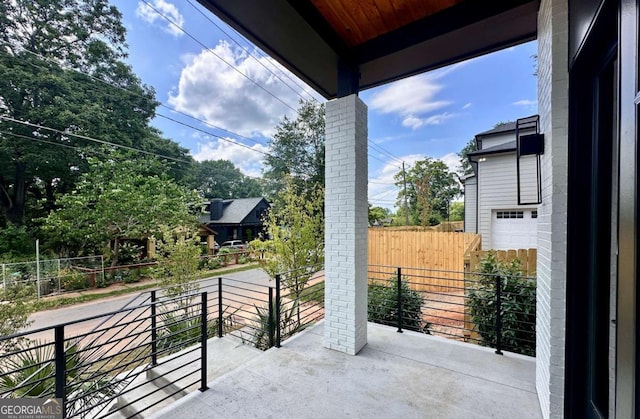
(514, 229)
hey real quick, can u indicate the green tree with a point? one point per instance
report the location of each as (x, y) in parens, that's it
(43, 42)
(297, 150)
(465, 166)
(118, 199)
(456, 211)
(430, 189)
(222, 179)
(295, 229)
(378, 213)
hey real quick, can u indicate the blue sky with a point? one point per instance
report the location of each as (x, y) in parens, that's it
(208, 71)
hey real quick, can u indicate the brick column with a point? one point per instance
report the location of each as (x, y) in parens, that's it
(553, 105)
(345, 326)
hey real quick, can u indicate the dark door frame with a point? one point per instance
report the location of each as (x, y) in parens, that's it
(589, 218)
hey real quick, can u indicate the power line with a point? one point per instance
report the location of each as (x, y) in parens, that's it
(143, 97)
(384, 151)
(206, 16)
(85, 137)
(213, 135)
(382, 161)
(216, 55)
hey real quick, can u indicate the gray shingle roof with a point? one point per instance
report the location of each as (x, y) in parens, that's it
(509, 126)
(236, 210)
(500, 148)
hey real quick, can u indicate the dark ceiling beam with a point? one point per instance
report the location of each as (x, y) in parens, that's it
(438, 24)
(314, 18)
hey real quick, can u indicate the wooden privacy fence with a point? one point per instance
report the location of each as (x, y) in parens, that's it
(423, 250)
(528, 259)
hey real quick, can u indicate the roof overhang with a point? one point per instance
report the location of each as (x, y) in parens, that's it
(314, 39)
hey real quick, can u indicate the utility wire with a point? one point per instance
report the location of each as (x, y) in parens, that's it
(203, 45)
(256, 59)
(111, 84)
(85, 137)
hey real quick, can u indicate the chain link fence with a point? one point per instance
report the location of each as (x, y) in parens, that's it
(51, 276)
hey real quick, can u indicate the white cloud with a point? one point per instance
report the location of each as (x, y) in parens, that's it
(248, 160)
(221, 94)
(149, 15)
(467, 105)
(414, 98)
(415, 123)
(410, 96)
(525, 102)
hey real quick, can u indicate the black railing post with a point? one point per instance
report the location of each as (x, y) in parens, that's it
(498, 315)
(220, 318)
(399, 279)
(154, 330)
(278, 331)
(203, 343)
(271, 319)
(61, 368)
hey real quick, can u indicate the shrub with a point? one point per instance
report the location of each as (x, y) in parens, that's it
(30, 372)
(383, 305)
(518, 305)
(74, 280)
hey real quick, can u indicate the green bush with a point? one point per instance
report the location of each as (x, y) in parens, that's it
(74, 280)
(518, 305)
(383, 305)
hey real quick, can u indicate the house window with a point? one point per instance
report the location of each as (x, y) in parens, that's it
(509, 214)
(534, 214)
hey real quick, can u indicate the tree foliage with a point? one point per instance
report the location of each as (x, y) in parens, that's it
(430, 188)
(295, 228)
(297, 150)
(222, 179)
(378, 213)
(465, 166)
(456, 211)
(118, 199)
(62, 68)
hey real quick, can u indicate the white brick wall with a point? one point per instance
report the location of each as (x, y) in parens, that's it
(345, 326)
(552, 213)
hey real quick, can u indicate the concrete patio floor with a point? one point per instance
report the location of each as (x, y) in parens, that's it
(408, 375)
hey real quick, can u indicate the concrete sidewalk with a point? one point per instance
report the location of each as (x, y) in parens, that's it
(406, 375)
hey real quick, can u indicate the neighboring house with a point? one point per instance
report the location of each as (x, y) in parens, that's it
(490, 193)
(235, 219)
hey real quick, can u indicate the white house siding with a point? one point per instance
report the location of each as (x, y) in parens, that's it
(552, 219)
(470, 205)
(497, 188)
(497, 139)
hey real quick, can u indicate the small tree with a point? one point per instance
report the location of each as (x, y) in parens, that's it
(178, 267)
(295, 231)
(178, 263)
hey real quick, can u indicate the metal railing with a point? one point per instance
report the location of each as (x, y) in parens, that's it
(488, 309)
(108, 368)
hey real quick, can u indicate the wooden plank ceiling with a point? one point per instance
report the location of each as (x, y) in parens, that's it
(376, 41)
(359, 21)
